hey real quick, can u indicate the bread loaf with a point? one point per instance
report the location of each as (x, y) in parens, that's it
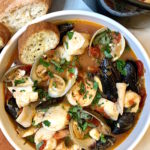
(37, 39)
(5, 35)
(16, 13)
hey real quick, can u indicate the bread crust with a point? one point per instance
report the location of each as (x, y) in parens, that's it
(31, 30)
(12, 5)
(4, 34)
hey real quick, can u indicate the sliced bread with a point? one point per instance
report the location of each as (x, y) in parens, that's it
(5, 35)
(16, 13)
(37, 39)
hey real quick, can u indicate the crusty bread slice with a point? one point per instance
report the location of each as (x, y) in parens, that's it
(5, 35)
(37, 39)
(16, 13)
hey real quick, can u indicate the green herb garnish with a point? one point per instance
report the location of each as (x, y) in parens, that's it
(46, 123)
(30, 139)
(70, 35)
(44, 63)
(55, 63)
(107, 54)
(102, 138)
(50, 74)
(54, 84)
(82, 118)
(95, 86)
(82, 88)
(96, 98)
(19, 81)
(22, 90)
(71, 70)
(66, 43)
(121, 67)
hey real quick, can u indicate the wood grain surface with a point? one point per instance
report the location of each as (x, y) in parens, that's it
(4, 144)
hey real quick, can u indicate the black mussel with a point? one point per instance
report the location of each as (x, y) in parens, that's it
(124, 123)
(64, 28)
(131, 77)
(104, 144)
(49, 103)
(12, 108)
(109, 76)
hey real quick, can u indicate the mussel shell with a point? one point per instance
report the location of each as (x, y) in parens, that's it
(132, 77)
(12, 108)
(109, 76)
(110, 140)
(64, 28)
(49, 103)
(124, 123)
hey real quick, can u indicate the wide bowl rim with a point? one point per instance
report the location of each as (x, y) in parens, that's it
(87, 14)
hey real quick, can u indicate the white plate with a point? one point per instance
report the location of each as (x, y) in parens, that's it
(8, 52)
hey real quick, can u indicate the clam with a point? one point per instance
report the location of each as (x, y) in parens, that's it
(78, 135)
(59, 83)
(34, 74)
(110, 42)
(58, 87)
(16, 72)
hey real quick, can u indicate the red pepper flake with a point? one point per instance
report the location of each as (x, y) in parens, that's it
(140, 68)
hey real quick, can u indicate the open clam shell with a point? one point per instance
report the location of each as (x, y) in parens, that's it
(88, 142)
(116, 49)
(16, 72)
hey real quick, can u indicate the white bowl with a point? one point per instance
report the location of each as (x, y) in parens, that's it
(143, 123)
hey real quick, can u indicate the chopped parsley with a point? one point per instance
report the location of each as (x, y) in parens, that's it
(95, 86)
(30, 139)
(20, 81)
(96, 98)
(107, 54)
(50, 74)
(35, 125)
(38, 146)
(66, 43)
(44, 63)
(102, 138)
(82, 88)
(55, 63)
(70, 34)
(54, 84)
(85, 95)
(81, 117)
(22, 90)
(41, 93)
(71, 70)
(46, 123)
(121, 67)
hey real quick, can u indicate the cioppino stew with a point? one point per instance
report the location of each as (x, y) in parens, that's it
(85, 93)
